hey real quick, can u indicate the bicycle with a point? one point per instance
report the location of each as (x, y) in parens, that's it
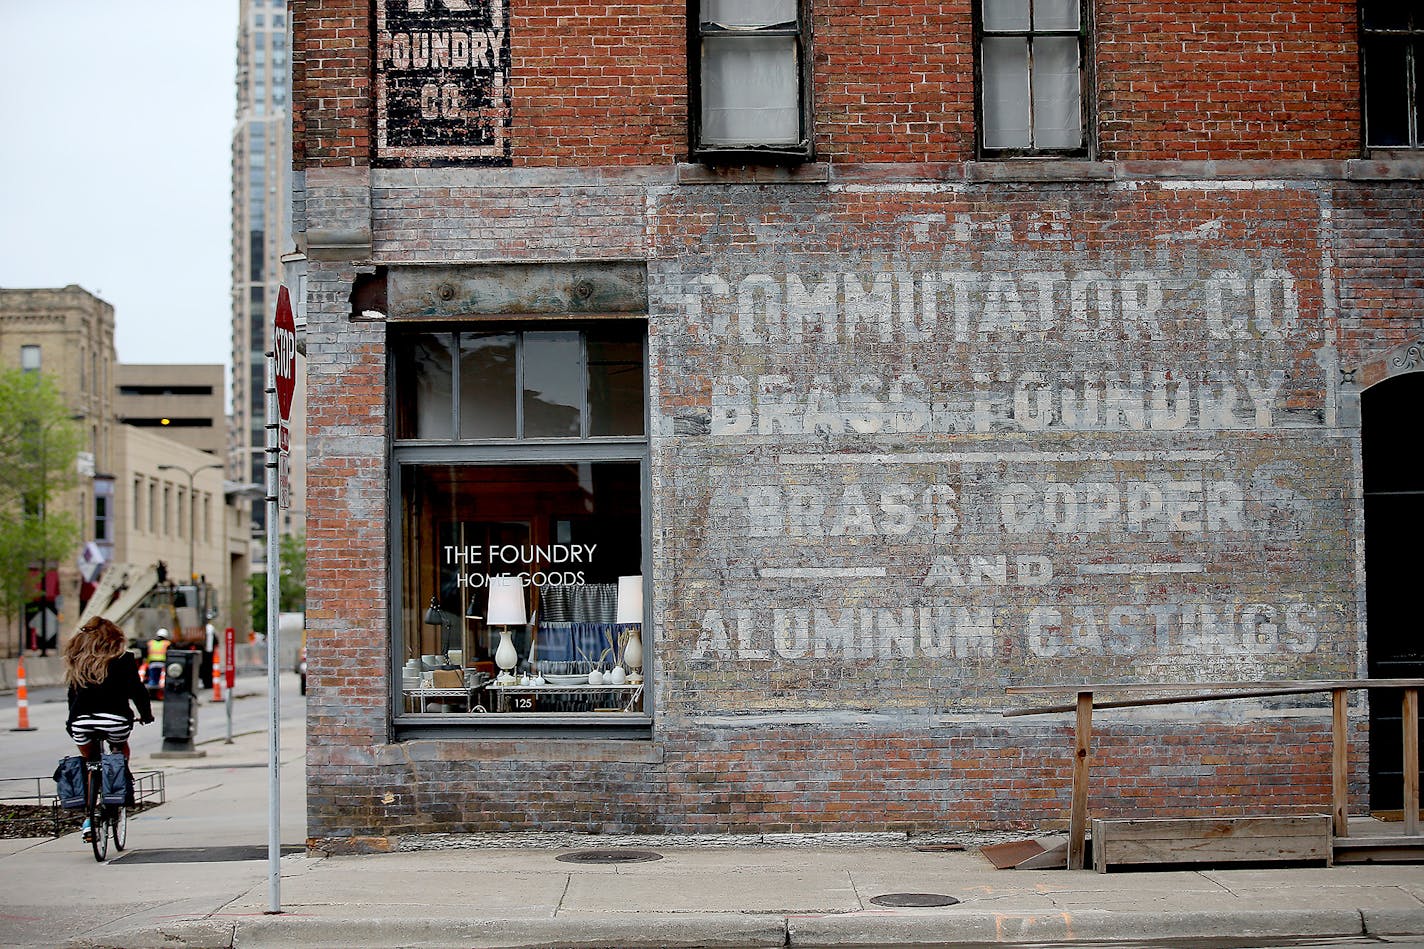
(104, 820)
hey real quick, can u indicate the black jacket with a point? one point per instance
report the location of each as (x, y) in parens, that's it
(112, 696)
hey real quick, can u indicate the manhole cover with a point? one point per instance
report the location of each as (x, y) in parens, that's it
(609, 856)
(913, 899)
(203, 854)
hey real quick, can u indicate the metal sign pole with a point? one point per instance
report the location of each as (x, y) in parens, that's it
(274, 797)
(229, 675)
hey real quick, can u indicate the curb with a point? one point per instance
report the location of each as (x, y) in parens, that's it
(1393, 922)
(944, 928)
(947, 928)
(296, 931)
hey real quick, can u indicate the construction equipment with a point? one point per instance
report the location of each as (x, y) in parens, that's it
(142, 600)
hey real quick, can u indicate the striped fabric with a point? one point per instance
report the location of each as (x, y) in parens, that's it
(586, 603)
(86, 728)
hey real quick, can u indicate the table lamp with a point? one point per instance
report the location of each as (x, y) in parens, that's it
(506, 609)
(630, 613)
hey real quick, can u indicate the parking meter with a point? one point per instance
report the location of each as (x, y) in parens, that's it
(180, 699)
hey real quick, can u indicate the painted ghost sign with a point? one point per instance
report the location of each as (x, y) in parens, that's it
(985, 443)
(442, 80)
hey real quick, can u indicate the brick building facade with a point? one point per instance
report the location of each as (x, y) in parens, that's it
(900, 369)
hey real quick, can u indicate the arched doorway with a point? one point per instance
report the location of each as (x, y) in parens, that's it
(1394, 571)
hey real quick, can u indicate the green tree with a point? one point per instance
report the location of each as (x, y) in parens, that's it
(39, 445)
(292, 591)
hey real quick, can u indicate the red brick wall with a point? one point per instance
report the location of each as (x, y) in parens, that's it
(1380, 256)
(1241, 79)
(1354, 250)
(598, 84)
(893, 82)
(763, 781)
(331, 83)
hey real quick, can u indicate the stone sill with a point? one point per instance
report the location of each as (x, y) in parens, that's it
(1025, 171)
(809, 173)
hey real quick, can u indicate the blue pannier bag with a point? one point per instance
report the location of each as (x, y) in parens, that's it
(115, 789)
(69, 781)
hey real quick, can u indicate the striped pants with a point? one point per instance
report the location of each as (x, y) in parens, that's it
(86, 728)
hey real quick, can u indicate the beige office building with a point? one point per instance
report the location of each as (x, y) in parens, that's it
(181, 402)
(135, 500)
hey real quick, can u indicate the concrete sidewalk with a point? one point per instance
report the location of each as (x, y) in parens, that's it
(512, 891)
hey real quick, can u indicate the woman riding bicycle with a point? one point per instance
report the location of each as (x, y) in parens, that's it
(103, 679)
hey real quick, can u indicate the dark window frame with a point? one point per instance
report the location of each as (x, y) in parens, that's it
(1087, 106)
(802, 151)
(1413, 36)
(410, 454)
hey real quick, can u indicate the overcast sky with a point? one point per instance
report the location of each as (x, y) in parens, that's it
(116, 122)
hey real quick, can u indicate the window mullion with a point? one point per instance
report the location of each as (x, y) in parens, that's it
(519, 385)
(455, 397)
(1033, 117)
(584, 409)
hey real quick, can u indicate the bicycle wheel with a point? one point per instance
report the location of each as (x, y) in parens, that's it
(98, 826)
(119, 824)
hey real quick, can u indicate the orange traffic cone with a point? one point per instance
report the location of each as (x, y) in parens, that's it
(22, 694)
(217, 675)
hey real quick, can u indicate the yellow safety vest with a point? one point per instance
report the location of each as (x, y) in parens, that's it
(158, 650)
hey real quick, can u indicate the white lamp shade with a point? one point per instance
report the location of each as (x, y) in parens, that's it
(630, 600)
(506, 602)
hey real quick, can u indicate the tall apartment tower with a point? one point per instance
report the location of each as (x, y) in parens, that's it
(261, 234)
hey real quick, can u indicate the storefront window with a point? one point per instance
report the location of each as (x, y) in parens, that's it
(539, 495)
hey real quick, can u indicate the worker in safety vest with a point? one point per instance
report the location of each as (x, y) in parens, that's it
(157, 653)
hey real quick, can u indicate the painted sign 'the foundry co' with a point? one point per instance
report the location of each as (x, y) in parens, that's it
(442, 80)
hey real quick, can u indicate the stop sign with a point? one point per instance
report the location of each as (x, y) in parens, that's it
(284, 348)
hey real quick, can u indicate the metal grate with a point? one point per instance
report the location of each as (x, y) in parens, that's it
(203, 854)
(609, 856)
(913, 899)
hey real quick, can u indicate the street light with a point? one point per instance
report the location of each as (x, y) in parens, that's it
(192, 510)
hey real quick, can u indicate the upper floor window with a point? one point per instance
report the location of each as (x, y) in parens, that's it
(522, 383)
(1032, 77)
(750, 80)
(30, 358)
(1392, 51)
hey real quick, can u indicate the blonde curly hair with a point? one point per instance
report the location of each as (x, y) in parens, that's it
(88, 653)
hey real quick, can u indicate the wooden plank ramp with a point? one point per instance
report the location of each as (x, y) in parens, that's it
(1223, 840)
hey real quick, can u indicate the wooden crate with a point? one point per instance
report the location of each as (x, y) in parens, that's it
(1217, 840)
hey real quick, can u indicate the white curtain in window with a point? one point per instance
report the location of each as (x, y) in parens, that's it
(749, 91)
(1006, 113)
(1057, 121)
(745, 13)
(1005, 14)
(1055, 14)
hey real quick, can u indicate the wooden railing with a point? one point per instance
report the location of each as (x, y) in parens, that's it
(1177, 693)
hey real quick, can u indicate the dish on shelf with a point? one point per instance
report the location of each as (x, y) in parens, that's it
(556, 678)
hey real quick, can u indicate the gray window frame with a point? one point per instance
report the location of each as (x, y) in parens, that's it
(455, 451)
